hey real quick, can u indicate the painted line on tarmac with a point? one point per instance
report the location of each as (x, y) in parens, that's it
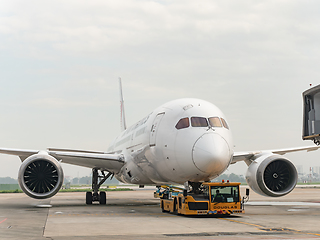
(230, 220)
(3, 220)
(298, 231)
(261, 228)
(60, 214)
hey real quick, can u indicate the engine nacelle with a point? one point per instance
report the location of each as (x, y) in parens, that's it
(272, 175)
(40, 176)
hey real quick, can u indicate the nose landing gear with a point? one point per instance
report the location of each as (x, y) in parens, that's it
(97, 181)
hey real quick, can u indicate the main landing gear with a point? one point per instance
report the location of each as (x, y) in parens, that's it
(97, 181)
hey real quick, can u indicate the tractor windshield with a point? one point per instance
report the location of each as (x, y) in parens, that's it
(225, 194)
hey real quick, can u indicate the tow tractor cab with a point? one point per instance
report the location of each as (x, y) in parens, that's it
(221, 198)
(311, 115)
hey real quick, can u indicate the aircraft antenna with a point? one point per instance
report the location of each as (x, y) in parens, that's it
(122, 116)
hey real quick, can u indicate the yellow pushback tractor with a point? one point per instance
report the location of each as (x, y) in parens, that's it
(221, 198)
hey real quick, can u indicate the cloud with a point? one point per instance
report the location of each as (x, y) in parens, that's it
(186, 33)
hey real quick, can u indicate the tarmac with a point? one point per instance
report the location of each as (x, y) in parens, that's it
(137, 215)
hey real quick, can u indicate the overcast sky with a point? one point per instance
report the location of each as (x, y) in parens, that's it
(60, 62)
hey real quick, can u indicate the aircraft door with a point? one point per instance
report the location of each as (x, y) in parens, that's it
(154, 129)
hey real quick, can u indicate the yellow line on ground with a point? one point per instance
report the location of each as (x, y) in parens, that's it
(230, 220)
(298, 231)
(316, 234)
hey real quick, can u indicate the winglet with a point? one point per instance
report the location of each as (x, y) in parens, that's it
(122, 116)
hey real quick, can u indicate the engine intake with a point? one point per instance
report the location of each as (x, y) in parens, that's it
(40, 176)
(272, 175)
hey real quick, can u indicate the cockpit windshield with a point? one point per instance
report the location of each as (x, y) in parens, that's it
(215, 122)
(224, 123)
(183, 123)
(202, 122)
(199, 122)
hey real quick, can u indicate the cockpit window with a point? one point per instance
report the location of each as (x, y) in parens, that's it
(199, 122)
(215, 122)
(183, 123)
(224, 123)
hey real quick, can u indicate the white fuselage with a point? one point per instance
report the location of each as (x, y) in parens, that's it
(182, 140)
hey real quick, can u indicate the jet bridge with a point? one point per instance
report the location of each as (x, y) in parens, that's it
(311, 115)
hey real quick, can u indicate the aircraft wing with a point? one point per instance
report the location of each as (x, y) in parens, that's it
(22, 153)
(243, 156)
(110, 162)
(104, 161)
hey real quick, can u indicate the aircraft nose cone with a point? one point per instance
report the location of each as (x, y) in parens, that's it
(211, 153)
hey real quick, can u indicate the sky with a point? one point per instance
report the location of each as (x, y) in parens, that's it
(60, 62)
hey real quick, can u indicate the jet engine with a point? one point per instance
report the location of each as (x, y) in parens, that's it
(272, 175)
(40, 176)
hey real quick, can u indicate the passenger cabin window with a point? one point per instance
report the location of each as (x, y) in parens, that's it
(199, 122)
(224, 123)
(215, 122)
(183, 123)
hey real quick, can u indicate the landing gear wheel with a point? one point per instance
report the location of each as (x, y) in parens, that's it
(97, 181)
(89, 198)
(103, 198)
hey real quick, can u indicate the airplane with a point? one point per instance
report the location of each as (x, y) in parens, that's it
(186, 141)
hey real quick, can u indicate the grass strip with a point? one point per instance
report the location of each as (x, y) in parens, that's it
(11, 191)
